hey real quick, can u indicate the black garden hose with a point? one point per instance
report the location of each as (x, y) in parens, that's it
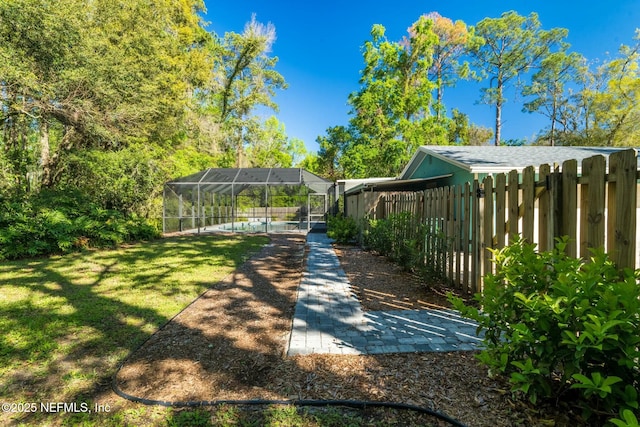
(357, 404)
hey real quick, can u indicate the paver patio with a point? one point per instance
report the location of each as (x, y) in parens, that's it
(329, 318)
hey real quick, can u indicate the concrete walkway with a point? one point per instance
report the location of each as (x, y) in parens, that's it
(329, 319)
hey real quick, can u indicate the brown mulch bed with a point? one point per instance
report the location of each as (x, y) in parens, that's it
(231, 343)
(382, 285)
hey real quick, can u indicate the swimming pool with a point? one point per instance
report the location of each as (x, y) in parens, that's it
(259, 226)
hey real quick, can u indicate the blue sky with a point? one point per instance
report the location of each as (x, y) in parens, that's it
(319, 49)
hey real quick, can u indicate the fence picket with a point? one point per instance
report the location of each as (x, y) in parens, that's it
(429, 232)
(438, 235)
(466, 224)
(528, 199)
(487, 225)
(500, 194)
(457, 237)
(514, 210)
(545, 213)
(569, 207)
(451, 230)
(622, 208)
(476, 242)
(592, 205)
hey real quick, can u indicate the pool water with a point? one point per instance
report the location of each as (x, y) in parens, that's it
(257, 227)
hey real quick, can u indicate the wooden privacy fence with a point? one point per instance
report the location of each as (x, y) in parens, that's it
(592, 206)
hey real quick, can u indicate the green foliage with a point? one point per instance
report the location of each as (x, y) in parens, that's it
(105, 76)
(188, 160)
(270, 146)
(342, 228)
(629, 420)
(99, 98)
(561, 327)
(393, 111)
(59, 222)
(124, 180)
(454, 41)
(513, 45)
(244, 78)
(616, 104)
(377, 236)
(404, 240)
(400, 238)
(547, 87)
(331, 155)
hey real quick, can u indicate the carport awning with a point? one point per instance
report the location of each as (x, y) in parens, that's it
(399, 185)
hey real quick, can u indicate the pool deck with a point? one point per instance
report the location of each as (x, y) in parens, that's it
(329, 318)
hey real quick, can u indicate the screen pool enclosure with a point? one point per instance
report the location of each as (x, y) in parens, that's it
(247, 199)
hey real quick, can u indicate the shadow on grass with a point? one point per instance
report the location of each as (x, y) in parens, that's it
(67, 321)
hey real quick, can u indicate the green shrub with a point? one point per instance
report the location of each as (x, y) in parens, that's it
(408, 242)
(60, 222)
(377, 236)
(342, 229)
(398, 237)
(562, 328)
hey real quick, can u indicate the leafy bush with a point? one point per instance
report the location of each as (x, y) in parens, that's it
(377, 236)
(59, 222)
(127, 179)
(563, 328)
(342, 229)
(400, 238)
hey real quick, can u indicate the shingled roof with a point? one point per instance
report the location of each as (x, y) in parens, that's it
(496, 159)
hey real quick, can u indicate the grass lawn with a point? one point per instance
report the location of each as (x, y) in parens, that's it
(66, 322)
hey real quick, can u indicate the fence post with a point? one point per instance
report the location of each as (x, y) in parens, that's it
(622, 193)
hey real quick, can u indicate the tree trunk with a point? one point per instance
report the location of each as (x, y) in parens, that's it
(240, 158)
(498, 120)
(439, 97)
(45, 153)
(498, 112)
(552, 138)
(51, 175)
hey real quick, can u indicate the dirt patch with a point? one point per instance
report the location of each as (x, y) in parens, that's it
(230, 344)
(382, 285)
